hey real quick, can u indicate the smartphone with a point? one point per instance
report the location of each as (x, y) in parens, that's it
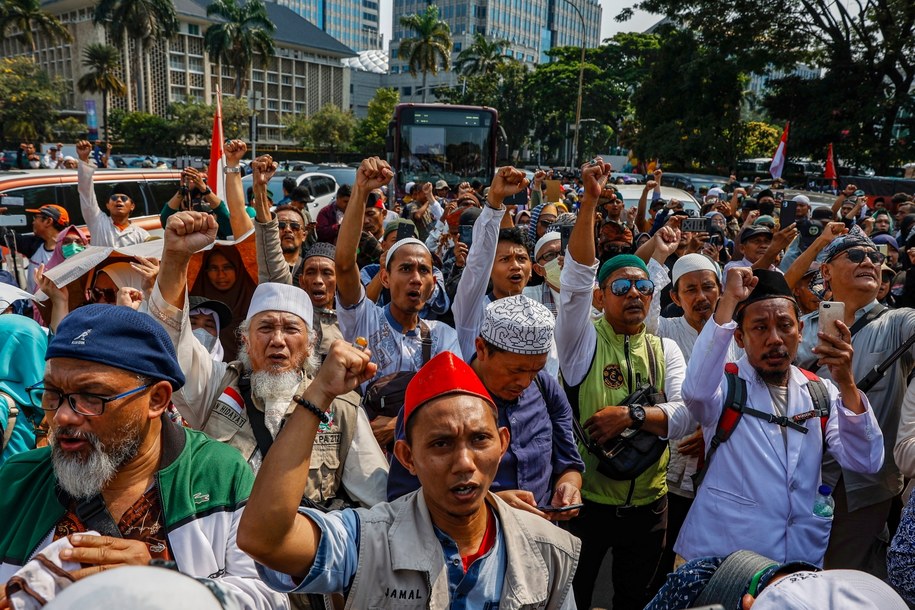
(787, 214)
(696, 225)
(830, 312)
(465, 234)
(565, 232)
(549, 508)
(405, 231)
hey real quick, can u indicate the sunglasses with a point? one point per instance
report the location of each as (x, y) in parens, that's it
(547, 221)
(622, 286)
(102, 295)
(123, 198)
(856, 256)
(295, 226)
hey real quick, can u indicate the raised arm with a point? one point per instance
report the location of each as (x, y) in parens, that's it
(88, 202)
(372, 174)
(271, 266)
(803, 261)
(235, 192)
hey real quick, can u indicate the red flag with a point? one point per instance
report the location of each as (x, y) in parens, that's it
(215, 176)
(830, 171)
(780, 156)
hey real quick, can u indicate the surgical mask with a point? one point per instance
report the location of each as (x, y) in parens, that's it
(552, 271)
(205, 338)
(72, 248)
(34, 164)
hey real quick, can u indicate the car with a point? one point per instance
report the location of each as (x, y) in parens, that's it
(631, 193)
(323, 188)
(343, 174)
(150, 189)
(694, 181)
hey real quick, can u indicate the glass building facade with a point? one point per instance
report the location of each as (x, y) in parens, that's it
(352, 22)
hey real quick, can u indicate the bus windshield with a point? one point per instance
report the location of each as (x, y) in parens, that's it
(454, 144)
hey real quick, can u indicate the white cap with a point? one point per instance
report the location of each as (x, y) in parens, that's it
(409, 241)
(271, 296)
(138, 587)
(694, 262)
(518, 325)
(715, 192)
(408, 187)
(802, 199)
(829, 589)
(547, 238)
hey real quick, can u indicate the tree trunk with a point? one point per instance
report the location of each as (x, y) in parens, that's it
(138, 75)
(425, 76)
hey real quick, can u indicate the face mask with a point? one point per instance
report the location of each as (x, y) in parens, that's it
(552, 271)
(34, 164)
(205, 338)
(72, 248)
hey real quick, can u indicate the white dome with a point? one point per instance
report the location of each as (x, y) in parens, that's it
(375, 61)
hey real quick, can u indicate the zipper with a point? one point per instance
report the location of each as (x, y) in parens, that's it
(168, 543)
(34, 550)
(628, 360)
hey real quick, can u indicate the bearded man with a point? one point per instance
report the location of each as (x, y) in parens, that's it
(244, 403)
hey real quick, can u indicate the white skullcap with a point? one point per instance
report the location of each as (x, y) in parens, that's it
(410, 241)
(830, 588)
(138, 587)
(802, 199)
(694, 262)
(408, 187)
(715, 192)
(518, 325)
(271, 296)
(547, 238)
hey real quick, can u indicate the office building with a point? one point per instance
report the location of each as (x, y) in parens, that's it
(352, 22)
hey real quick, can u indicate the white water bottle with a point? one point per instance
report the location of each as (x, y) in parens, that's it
(823, 504)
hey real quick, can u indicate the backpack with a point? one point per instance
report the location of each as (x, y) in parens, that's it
(735, 406)
(385, 395)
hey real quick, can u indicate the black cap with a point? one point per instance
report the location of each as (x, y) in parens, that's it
(808, 231)
(753, 231)
(320, 248)
(222, 310)
(771, 285)
(765, 193)
(824, 214)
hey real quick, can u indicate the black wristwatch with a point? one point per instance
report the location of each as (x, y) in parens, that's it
(637, 413)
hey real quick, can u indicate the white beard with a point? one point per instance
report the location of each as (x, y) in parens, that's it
(84, 478)
(274, 386)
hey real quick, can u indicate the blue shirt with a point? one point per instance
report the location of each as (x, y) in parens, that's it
(541, 448)
(338, 558)
(437, 304)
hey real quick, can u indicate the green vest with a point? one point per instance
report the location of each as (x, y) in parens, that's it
(619, 364)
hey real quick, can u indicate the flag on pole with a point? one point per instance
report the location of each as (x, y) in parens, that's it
(215, 177)
(781, 153)
(829, 172)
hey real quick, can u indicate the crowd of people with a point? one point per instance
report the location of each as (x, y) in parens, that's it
(436, 400)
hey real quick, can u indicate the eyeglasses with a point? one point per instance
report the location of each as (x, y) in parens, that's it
(295, 226)
(856, 256)
(622, 286)
(547, 221)
(549, 256)
(123, 198)
(88, 405)
(103, 295)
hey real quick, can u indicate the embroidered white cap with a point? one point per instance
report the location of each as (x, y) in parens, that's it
(694, 262)
(518, 325)
(271, 296)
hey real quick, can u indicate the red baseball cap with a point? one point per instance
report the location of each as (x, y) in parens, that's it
(445, 374)
(58, 214)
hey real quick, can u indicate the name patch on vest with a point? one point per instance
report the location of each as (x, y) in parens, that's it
(392, 593)
(327, 439)
(227, 412)
(613, 376)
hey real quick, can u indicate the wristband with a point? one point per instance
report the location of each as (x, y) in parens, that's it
(207, 192)
(310, 406)
(231, 170)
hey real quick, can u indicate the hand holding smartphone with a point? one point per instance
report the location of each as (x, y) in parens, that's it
(830, 313)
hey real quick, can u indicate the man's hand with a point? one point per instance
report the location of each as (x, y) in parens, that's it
(607, 423)
(783, 237)
(836, 353)
(57, 295)
(564, 495)
(539, 176)
(104, 553)
(190, 174)
(849, 190)
(693, 445)
(129, 297)
(650, 185)
(740, 283)
(372, 174)
(594, 177)
(344, 369)
(427, 192)
(666, 242)
(508, 181)
(460, 254)
(189, 232)
(522, 500)
(149, 269)
(235, 152)
(83, 150)
(263, 168)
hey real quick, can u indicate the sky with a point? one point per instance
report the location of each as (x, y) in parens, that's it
(639, 23)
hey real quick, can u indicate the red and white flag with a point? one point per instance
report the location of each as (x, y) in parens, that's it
(781, 154)
(215, 177)
(829, 172)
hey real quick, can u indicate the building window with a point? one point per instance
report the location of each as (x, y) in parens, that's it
(193, 29)
(195, 64)
(405, 91)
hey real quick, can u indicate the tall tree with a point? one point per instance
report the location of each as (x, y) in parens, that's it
(145, 22)
(30, 100)
(371, 130)
(29, 18)
(103, 62)
(430, 47)
(482, 57)
(245, 31)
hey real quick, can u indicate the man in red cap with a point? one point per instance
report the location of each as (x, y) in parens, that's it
(451, 543)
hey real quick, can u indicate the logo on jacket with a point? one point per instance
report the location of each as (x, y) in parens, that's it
(613, 376)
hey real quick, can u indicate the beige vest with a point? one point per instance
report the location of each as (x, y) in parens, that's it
(227, 423)
(401, 563)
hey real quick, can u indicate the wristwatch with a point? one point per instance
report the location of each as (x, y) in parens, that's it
(231, 170)
(207, 192)
(637, 413)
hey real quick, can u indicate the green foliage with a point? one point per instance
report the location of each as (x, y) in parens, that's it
(69, 129)
(370, 132)
(143, 132)
(329, 129)
(429, 47)
(236, 118)
(759, 140)
(29, 19)
(191, 122)
(482, 57)
(243, 32)
(103, 62)
(30, 99)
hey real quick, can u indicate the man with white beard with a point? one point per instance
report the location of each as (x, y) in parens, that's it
(244, 403)
(118, 466)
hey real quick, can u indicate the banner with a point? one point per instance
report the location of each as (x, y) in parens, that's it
(216, 179)
(92, 120)
(829, 172)
(781, 154)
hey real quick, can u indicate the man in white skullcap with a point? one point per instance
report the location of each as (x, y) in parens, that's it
(244, 403)
(541, 466)
(547, 251)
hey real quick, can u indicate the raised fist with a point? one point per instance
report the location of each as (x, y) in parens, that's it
(83, 150)
(189, 232)
(373, 173)
(235, 152)
(263, 169)
(507, 182)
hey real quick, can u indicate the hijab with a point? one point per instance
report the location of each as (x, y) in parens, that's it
(57, 257)
(23, 343)
(238, 297)
(123, 276)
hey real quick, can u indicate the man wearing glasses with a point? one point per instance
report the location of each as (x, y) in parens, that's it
(117, 465)
(115, 229)
(603, 362)
(851, 269)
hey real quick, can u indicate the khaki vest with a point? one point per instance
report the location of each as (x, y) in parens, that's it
(401, 564)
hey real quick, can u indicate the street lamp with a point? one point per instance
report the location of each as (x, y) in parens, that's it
(581, 80)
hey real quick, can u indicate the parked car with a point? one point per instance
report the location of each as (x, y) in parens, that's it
(694, 181)
(631, 194)
(343, 174)
(323, 188)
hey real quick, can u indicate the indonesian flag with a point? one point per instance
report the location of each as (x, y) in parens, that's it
(781, 153)
(215, 176)
(829, 172)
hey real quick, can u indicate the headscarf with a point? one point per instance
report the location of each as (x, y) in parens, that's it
(22, 351)
(885, 212)
(58, 256)
(535, 220)
(217, 351)
(123, 275)
(238, 297)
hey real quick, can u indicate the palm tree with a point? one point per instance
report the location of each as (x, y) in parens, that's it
(28, 17)
(103, 62)
(430, 46)
(144, 21)
(245, 32)
(482, 57)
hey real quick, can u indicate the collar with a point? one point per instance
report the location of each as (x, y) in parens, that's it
(396, 325)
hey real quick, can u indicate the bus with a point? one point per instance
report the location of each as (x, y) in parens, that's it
(432, 142)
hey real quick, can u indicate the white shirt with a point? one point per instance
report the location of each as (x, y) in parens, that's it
(101, 227)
